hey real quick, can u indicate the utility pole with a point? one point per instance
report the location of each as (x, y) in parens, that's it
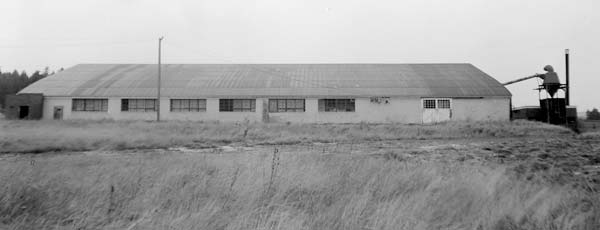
(158, 96)
(567, 96)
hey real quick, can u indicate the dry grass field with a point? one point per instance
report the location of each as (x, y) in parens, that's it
(177, 175)
(589, 126)
(49, 136)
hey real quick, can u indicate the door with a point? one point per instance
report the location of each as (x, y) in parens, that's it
(58, 112)
(429, 113)
(444, 110)
(23, 112)
(436, 110)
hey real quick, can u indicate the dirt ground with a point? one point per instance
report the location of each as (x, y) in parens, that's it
(568, 160)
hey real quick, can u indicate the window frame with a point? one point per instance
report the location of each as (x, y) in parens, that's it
(183, 102)
(287, 105)
(138, 105)
(441, 105)
(243, 105)
(89, 105)
(436, 103)
(429, 104)
(347, 105)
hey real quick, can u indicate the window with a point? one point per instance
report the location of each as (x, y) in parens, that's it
(436, 104)
(237, 105)
(138, 105)
(286, 105)
(443, 104)
(336, 105)
(188, 105)
(90, 105)
(429, 104)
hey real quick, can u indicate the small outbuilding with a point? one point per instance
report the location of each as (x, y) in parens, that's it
(312, 93)
(24, 106)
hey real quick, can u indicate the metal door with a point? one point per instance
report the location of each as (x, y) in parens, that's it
(58, 112)
(436, 110)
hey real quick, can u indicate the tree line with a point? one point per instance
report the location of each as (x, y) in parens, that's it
(593, 115)
(15, 81)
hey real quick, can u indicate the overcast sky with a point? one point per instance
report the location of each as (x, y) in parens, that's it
(507, 39)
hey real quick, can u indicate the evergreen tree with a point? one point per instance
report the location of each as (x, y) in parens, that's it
(13, 82)
(23, 78)
(35, 77)
(593, 115)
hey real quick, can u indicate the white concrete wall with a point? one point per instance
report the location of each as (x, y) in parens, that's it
(401, 110)
(51, 102)
(486, 109)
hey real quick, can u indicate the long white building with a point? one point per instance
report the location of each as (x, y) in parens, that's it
(314, 93)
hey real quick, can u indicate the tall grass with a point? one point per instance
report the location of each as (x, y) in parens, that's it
(44, 136)
(281, 191)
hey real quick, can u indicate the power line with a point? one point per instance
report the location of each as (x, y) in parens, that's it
(78, 44)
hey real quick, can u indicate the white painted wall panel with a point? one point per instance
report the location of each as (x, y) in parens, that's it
(485, 109)
(399, 109)
(50, 102)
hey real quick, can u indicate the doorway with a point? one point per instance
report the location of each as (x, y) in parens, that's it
(436, 110)
(58, 112)
(23, 112)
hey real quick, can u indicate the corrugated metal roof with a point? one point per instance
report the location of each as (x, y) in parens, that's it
(267, 80)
